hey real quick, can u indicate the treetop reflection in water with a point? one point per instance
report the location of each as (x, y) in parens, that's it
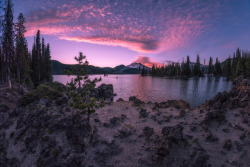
(156, 89)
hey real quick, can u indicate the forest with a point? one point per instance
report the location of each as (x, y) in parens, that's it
(17, 63)
(238, 65)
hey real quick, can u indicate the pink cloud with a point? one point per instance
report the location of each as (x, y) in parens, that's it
(137, 44)
(146, 61)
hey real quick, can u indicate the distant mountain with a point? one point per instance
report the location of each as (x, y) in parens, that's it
(137, 66)
(58, 68)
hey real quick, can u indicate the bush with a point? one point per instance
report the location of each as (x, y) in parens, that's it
(42, 91)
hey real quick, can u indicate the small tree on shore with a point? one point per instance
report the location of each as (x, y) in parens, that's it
(80, 88)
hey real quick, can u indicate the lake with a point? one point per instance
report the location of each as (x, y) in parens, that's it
(156, 89)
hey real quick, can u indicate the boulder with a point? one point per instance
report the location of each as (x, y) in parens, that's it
(61, 101)
(126, 131)
(173, 133)
(147, 131)
(215, 116)
(143, 113)
(179, 104)
(106, 91)
(120, 99)
(227, 144)
(136, 101)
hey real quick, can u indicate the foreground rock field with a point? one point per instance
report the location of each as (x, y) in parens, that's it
(45, 131)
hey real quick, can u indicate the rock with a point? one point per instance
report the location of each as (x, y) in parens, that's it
(238, 145)
(214, 116)
(167, 118)
(120, 99)
(106, 150)
(115, 121)
(106, 91)
(4, 108)
(198, 158)
(179, 104)
(143, 113)
(136, 101)
(182, 114)
(43, 101)
(173, 133)
(97, 120)
(31, 143)
(211, 137)
(4, 120)
(76, 137)
(227, 144)
(123, 117)
(239, 127)
(238, 80)
(126, 131)
(61, 101)
(147, 131)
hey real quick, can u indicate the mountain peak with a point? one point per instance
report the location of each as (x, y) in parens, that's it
(137, 65)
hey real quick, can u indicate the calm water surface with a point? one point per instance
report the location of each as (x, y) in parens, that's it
(156, 89)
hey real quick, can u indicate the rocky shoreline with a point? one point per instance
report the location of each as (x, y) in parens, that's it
(45, 131)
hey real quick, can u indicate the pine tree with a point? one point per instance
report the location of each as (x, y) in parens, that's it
(47, 64)
(188, 70)
(217, 71)
(228, 67)
(210, 67)
(21, 53)
(80, 88)
(153, 70)
(197, 71)
(8, 41)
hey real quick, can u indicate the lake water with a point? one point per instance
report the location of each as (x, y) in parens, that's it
(156, 89)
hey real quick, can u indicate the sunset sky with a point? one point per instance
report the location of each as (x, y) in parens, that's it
(114, 32)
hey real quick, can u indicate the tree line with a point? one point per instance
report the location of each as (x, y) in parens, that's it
(231, 67)
(17, 64)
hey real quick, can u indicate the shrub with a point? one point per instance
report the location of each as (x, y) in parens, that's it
(42, 91)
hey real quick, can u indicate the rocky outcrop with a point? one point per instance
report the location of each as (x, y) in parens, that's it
(48, 132)
(239, 96)
(105, 91)
(179, 104)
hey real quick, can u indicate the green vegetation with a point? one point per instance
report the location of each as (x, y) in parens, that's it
(80, 88)
(17, 64)
(42, 91)
(231, 67)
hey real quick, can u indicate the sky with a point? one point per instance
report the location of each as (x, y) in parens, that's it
(114, 32)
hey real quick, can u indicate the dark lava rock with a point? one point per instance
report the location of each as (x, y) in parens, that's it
(177, 104)
(227, 144)
(136, 101)
(238, 145)
(31, 142)
(143, 113)
(120, 99)
(4, 108)
(105, 151)
(106, 91)
(211, 138)
(76, 137)
(147, 131)
(97, 120)
(115, 121)
(126, 131)
(182, 114)
(198, 158)
(63, 100)
(4, 119)
(215, 116)
(173, 134)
